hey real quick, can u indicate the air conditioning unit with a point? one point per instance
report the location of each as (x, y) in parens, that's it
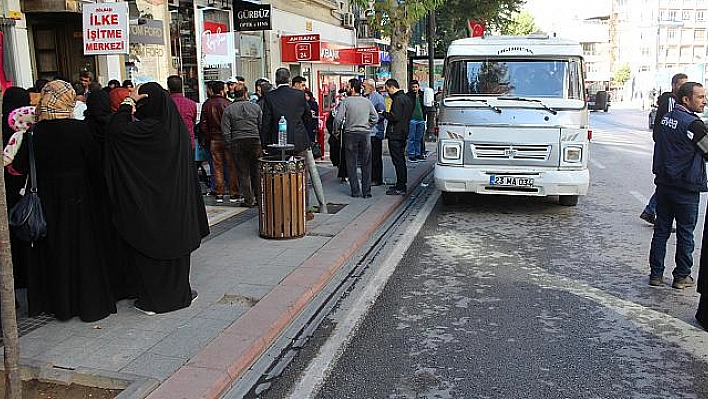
(348, 19)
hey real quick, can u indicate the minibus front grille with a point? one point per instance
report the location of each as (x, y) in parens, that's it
(522, 152)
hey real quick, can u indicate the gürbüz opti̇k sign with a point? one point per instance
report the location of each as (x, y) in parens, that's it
(251, 16)
(105, 28)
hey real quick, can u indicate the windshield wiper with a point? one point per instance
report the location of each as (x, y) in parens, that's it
(531, 100)
(475, 100)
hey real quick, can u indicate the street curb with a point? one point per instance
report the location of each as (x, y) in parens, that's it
(212, 371)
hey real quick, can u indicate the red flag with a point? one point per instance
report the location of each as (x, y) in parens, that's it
(476, 28)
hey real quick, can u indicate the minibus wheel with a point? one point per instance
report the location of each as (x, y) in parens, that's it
(568, 200)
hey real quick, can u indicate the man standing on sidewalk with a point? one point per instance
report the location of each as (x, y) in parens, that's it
(212, 112)
(187, 108)
(680, 149)
(358, 116)
(398, 121)
(377, 133)
(416, 130)
(665, 104)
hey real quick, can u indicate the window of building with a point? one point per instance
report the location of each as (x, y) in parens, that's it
(699, 34)
(699, 16)
(686, 52)
(671, 34)
(646, 51)
(686, 16)
(672, 15)
(644, 68)
(672, 52)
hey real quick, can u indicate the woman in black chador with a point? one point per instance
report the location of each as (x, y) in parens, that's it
(68, 275)
(156, 200)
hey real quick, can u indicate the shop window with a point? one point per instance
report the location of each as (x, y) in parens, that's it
(45, 47)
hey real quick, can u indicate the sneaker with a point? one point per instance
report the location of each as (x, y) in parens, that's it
(219, 199)
(413, 159)
(648, 217)
(376, 183)
(656, 281)
(395, 191)
(235, 199)
(683, 282)
(195, 295)
(139, 308)
(420, 157)
(367, 195)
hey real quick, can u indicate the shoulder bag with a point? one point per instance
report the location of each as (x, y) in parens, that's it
(26, 218)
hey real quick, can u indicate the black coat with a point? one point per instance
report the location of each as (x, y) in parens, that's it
(399, 116)
(291, 103)
(70, 274)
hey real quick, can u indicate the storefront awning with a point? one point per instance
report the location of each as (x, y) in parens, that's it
(309, 48)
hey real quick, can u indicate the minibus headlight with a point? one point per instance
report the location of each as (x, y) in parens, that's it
(572, 154)
(451, 152)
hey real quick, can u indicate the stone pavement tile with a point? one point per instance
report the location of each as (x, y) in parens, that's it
(70, 352)
(254, 291)
(193, 382)
(117, 353)
(224, 311)
(265, 276)
(153, 365)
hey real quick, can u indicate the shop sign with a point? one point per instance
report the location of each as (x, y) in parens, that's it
(214, 40)
(300, 48)
(105, 28)
(366, 56)
(251, 16)
(151, 32)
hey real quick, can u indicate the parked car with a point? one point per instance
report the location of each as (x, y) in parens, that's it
(599, 101)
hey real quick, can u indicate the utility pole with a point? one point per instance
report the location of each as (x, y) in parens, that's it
(431, 49)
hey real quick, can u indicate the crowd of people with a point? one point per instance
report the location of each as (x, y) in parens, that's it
(115, 164)
(111, 184)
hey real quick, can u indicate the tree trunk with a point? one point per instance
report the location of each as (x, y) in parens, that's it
(13, 383)
(400, 37)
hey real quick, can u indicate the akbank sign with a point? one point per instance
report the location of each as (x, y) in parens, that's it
(251, 16)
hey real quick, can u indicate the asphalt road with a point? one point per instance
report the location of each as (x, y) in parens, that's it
(514, 297)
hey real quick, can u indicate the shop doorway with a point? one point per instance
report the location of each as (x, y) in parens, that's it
(58, 45)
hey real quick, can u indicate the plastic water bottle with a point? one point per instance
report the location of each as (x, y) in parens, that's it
(282, 131)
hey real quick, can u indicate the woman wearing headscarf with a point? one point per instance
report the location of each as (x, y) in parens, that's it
(12, 99)
(156, 199)
(70, 275)
(116, 96)
(98, 109)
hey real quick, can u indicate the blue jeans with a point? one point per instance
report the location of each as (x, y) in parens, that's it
(651, 206)
(674, 204)
(416, 131)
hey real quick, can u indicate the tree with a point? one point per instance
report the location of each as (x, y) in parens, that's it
(396, 19)
(13, 383)
(452, 16)
(622, 74)
(521, 24)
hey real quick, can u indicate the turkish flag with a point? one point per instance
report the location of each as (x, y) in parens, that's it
(476, 28)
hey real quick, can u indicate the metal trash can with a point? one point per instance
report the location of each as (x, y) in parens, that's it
(282, 203)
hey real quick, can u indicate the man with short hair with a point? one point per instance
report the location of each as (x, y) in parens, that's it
(299, 83)
(680, 152)
(358, 116)
(397, 133)
(377, 133)
(232, 85)
(86, 78)
(187, 108)
(212, 112)
(416, 130)
(665, 104)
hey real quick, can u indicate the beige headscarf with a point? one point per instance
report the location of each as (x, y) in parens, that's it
(57, 102)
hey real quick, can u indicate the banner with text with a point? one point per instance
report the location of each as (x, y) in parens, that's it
(105, 28)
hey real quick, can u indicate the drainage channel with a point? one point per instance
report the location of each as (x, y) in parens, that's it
(276, 359)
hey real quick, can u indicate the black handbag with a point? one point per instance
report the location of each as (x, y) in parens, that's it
(26, 218)
(316, 150)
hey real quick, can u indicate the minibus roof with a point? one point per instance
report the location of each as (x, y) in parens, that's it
(534, 45)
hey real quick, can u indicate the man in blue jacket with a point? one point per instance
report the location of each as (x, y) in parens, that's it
(680, 149)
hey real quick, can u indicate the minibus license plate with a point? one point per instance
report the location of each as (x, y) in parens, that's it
(510, 181)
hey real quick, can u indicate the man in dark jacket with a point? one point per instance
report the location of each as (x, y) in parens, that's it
(680, 149)
(398, 119)
(213, 138)
(665, 105)
(290, 103)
